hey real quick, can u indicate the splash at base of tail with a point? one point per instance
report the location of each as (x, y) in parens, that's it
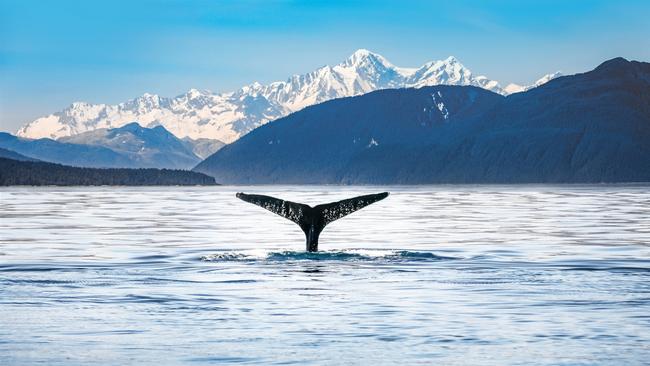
(312, 220)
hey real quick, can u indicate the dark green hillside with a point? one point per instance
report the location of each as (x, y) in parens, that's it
(14, 172)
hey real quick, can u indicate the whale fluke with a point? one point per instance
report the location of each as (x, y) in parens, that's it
(312, 220)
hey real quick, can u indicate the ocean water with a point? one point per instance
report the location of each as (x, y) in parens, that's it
(451, 275)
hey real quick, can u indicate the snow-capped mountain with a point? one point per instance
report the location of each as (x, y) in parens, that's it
(362, 73)
(586, 128)
(516, 88)
(228, 116)
(195, 114)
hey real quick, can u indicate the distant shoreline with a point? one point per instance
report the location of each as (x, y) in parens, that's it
(38, 173)
(424, 185)
(20, 173)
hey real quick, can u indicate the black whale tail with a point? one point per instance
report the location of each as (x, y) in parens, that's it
(312, 220)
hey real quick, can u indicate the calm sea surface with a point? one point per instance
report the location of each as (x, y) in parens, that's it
(450, 275)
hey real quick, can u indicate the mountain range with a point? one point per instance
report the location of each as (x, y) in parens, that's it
(587, 128)
(130, 146)
(225, 117)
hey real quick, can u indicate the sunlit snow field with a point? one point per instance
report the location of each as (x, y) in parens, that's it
(452, 275)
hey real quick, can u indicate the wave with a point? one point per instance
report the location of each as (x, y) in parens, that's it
(358, 255)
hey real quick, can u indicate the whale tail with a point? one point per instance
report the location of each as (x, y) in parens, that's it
(312, 220)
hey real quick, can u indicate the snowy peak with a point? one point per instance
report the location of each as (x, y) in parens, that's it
(546, 78)
(363, 58)
(147, 102)
(447, 72)
(194, 93)
(363, 72)
(362, 53)
(201, 114)
(451, 60)
(515, 88)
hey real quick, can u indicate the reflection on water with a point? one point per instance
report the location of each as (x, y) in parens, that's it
(535, 275)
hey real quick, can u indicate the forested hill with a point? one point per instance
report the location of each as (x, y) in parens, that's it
(14, 172)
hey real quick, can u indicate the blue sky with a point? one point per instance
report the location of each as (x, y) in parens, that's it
(55, 52)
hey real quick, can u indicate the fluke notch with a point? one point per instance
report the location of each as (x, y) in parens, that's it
(312, 220)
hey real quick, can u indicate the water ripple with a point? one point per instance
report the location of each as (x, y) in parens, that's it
(494, 275)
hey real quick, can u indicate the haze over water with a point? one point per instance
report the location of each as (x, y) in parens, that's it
(454, 275)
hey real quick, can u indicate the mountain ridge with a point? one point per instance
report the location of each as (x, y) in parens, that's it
(129, 146)
(585, 128)
(10, 154)
(228, 116)
(145, 147)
